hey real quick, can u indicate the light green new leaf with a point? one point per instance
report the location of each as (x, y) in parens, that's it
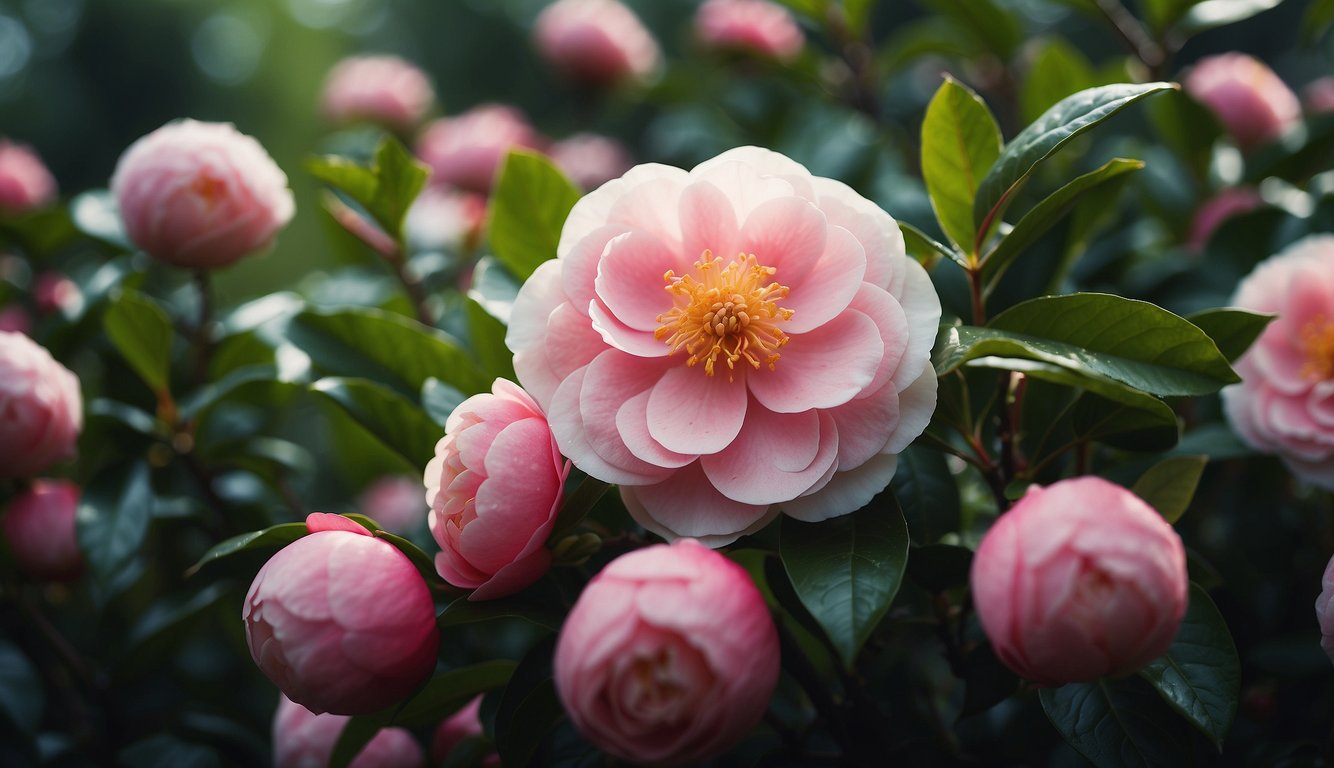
(928, 250)
(960, 142)
(1169, 485)
(528, 210)
(141, 331)
(400, 424)
(385, 190)
(1058, 70)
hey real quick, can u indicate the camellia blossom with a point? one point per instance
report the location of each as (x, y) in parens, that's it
(41, 409)
(1079, 580)
(494, 488)
(303, 739)
(15, 319)
(756, 26)
(668, 657)
(395, 502)
(454, 729)
(1254, 105)
(465, 151)
(200, 195)
(25, 183)
(341, 621)
(1229, 202)
(39, 526)
(1318, 96)
(381, 89)
(445, 219)
(590, 160)
(1323, 615)
(596, 42)
(1285, 401)
(730, 341)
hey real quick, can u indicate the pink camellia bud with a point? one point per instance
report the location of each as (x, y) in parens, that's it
(754, 26)
(41, 408)
(25, 184)
(453, 730)
(40, 528)
(596, 43)
(446, 219)
(669, 656)
(379, 89)
(200, 195)
(53, 292)
(303, 739)
(14, 319)
(591, 160)
(395, 502)
(1079, 580)
(1323, 614)
(494, 488)
(1318, 96)
(341, 621)
(466, 151)
(1211, 214)
(1253, 104)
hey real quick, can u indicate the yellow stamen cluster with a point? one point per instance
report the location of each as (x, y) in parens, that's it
(1317, 339)
(725, 311)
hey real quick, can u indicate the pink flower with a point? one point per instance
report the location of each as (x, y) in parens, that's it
(341, 621)
(41, 409)
(1229, 202)
(200, 195)
(590, 160)
(13, 319)
(379, 89)
(668, 656)
(466, 151)
(1079, 580)
(494, 488)
(395, 502)
(596, 42)
(1318, 96)
(303, 739)
(446, 219)
(1253, 104)
(53, 292)
(25, 184)
(729, 342)
(1324, 616)
(1285, 401)
(453, 730)
(40, 528)
(757, 26)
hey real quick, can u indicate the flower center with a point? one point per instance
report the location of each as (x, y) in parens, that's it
(1317, 340)
(209, 188)
(729, 312)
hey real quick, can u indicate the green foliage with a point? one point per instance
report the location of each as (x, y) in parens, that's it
(113, 517)
(1117, 723)
(141, 331)
(960, 142)
(1169, 485)
(385, 190)
(531, 201)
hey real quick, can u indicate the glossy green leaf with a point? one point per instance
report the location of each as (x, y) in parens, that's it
(439, 400)
(1135, 424)
(113, 517)
(141, 331)
(847, 570)
(926, 249)
(1117, 724)
(985, 21)
(927, 493)
(1233, 330)
(493, 288)
(1218, 13)
(385, 190)
(487, 335)
(1169, 485)
(528, 210)
(1056, 71)
(398, 423)
(960, 142)
(464, 611)
(22, 696)
(529, 708)
(122, 413)
(273, 537)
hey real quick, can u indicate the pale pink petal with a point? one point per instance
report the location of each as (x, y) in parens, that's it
(692, 412)
(746, 188)
(788, 234)
(846, 492)
(708, 222)
(621, 336)
(773, 458)
(593, 210)
(630, 279)
(687, 505)
(609, 381)
(568, 427)
(822, 369)
(829, 287)
(579, 267)
(632, 423)
(916, 405)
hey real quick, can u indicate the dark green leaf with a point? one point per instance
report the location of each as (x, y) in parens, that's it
(439, 400)
(464, 611)
(273, 537)
(140, 421)
(1117, 724)
(995, 29)
(215, 392)
(938, 567)
(386, 189)
(528, 210)
(165, 750)
(987, 682)
(1218, 13)
(22, 696)
(142, 333)
(529, 708)
(928, 494)
(1233, 330)
(1169, 485)
(113, 517)
(397, 422)
(926, 249)
(1058, 70)
(488, 343)
(1146, 424)
(960, 142)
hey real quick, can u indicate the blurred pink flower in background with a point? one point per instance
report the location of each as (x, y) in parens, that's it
(446, 219)
(341, 621)
(303, 739)
(1079, 580)
(1253, 104)
(395, 502)
(494, 488)
(465, 151)
(757, 26)
(53, 292)
(380, 89)
(1285, 401)
(15, 319)
(39, 526)
(200, 195)
(1318, 96)
(1229, 202)
(596, 42)
(590, 160)
(729, 341)
(25, 184)
(457, 727)
(1324, 616)
(669, 656)
(41, 408)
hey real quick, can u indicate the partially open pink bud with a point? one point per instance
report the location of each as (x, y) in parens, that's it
(303, 739)
(1079, 580)
(1253, 104)
(386, 90)
(596, 42)
(1323, 614)
(591, 160)
(41, 409)
(25, 184)
(1229, 202)
(669, 656)
(466, 151)
(341, 621)
(494, 488)
(14, 319)
(200, 195)
(39, 525)
(754, 26)
(453, 730)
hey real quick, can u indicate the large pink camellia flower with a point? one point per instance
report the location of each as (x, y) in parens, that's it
(730, 341)
(1254, 105)
(757, 26)
(590, 160)
(668, 657)
(200, 195)
(380, 89)
(1285, 401)
(1323, 615)
(465, 151)
(341, 621)
(25, 184)
(39, 525)
(596, 42)
(494, 488)
(41, 409)
(303, 739)
(1079, 580)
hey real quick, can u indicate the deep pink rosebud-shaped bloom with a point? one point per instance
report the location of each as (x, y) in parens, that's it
(303, 739)
(395, 502)
(494, 488)
(457, 727)
(41, 409)
(729, 342)
(466, 151)
(1253, 104)
(25, 184)
(1229, 202)
(341, 621)
(1285, 401)
(669, 655)
(14, 319)
(1324, 616)
(380, 89)
(200, 195)
(1078, 581)
(596, 42)
(756, 26)
(39, 525)
(590, 160)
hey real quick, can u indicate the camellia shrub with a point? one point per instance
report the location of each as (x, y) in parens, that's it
(834, 387)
